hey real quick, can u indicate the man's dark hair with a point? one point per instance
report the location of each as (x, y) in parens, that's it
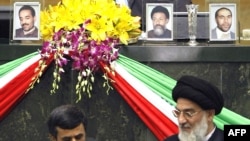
(160, 9)
(28, 7)
(66, 117)
(222, 8)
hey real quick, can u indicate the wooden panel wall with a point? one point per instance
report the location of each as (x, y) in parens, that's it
(243, 8)
(8, 2)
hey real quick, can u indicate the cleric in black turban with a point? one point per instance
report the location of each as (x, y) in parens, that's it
(206, 95)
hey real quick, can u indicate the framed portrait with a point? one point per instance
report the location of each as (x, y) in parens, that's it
(222, 21)
(26, 21)
(159, 21)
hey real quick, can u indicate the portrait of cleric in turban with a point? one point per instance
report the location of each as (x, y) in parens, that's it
(159, 21)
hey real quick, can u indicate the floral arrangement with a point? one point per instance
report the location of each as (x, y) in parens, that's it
(88, 31)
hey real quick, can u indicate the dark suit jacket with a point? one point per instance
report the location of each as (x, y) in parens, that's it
(214, 35)
(138, 7)
(20, 34)
(218, 135)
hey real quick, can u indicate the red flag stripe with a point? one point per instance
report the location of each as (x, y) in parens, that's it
(153, 117)
(14, 91)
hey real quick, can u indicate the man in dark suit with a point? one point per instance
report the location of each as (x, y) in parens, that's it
(223, 18)
(27, 17)
(197, 102)
(67, 123)
(138, 7)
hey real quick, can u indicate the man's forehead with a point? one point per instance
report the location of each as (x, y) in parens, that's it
(186, 104)
(223, 11)
(76, 130)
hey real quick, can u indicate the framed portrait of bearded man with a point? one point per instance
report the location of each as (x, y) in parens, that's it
(159, 21)
(222, 22)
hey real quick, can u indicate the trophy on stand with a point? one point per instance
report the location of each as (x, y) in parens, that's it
(192, 23)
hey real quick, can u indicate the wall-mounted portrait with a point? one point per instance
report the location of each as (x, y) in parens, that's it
(159, 21)
(222, 21)
(26, 21)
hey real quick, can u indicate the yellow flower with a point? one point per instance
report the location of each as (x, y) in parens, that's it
(107, 19)
(91, 29)
(98, 29)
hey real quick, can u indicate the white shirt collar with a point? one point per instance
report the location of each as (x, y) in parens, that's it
(220, 33)
(210, 134)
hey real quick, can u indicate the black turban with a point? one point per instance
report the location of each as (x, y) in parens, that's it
(206, 95)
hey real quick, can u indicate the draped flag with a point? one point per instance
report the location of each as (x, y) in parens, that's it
(145, 89)
(16, 77)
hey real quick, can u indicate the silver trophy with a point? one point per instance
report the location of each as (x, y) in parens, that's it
(192, 10)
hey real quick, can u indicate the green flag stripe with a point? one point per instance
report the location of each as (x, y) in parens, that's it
(162, 85)
(5, 68)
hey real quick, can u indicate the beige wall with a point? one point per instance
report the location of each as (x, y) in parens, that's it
(243, 10)
(4, 2)
(8, 2)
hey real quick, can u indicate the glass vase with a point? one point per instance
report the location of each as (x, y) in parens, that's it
(192, 10)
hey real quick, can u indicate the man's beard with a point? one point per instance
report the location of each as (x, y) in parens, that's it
(224, 30)
(197, 134)
(158, 30)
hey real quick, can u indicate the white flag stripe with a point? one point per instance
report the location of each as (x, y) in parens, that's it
(147, 93)
(16, 71)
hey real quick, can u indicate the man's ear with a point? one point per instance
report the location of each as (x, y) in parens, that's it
(211, 114)
(52, 138)
(167, 20)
